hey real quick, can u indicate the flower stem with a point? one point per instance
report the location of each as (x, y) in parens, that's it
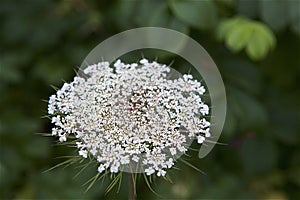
(131, 187)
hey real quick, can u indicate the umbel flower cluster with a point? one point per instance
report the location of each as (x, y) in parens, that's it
(130, 115)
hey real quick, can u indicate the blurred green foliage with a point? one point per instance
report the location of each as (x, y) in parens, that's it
(43, 41)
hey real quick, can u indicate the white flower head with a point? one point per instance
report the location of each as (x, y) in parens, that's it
(130, 115)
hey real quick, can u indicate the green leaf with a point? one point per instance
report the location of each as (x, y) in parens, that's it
(257, 49)
(199, 14)
(262, 40)
(240, 33)
(270, 12)
(238, 37)
(225, 26)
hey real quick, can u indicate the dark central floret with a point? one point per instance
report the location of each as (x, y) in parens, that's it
(139, 105)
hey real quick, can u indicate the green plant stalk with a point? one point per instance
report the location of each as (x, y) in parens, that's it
(131, 188)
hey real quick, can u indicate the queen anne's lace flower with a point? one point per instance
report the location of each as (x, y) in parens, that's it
(130, 114)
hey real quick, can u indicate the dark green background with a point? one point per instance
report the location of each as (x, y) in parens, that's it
(43, 41)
